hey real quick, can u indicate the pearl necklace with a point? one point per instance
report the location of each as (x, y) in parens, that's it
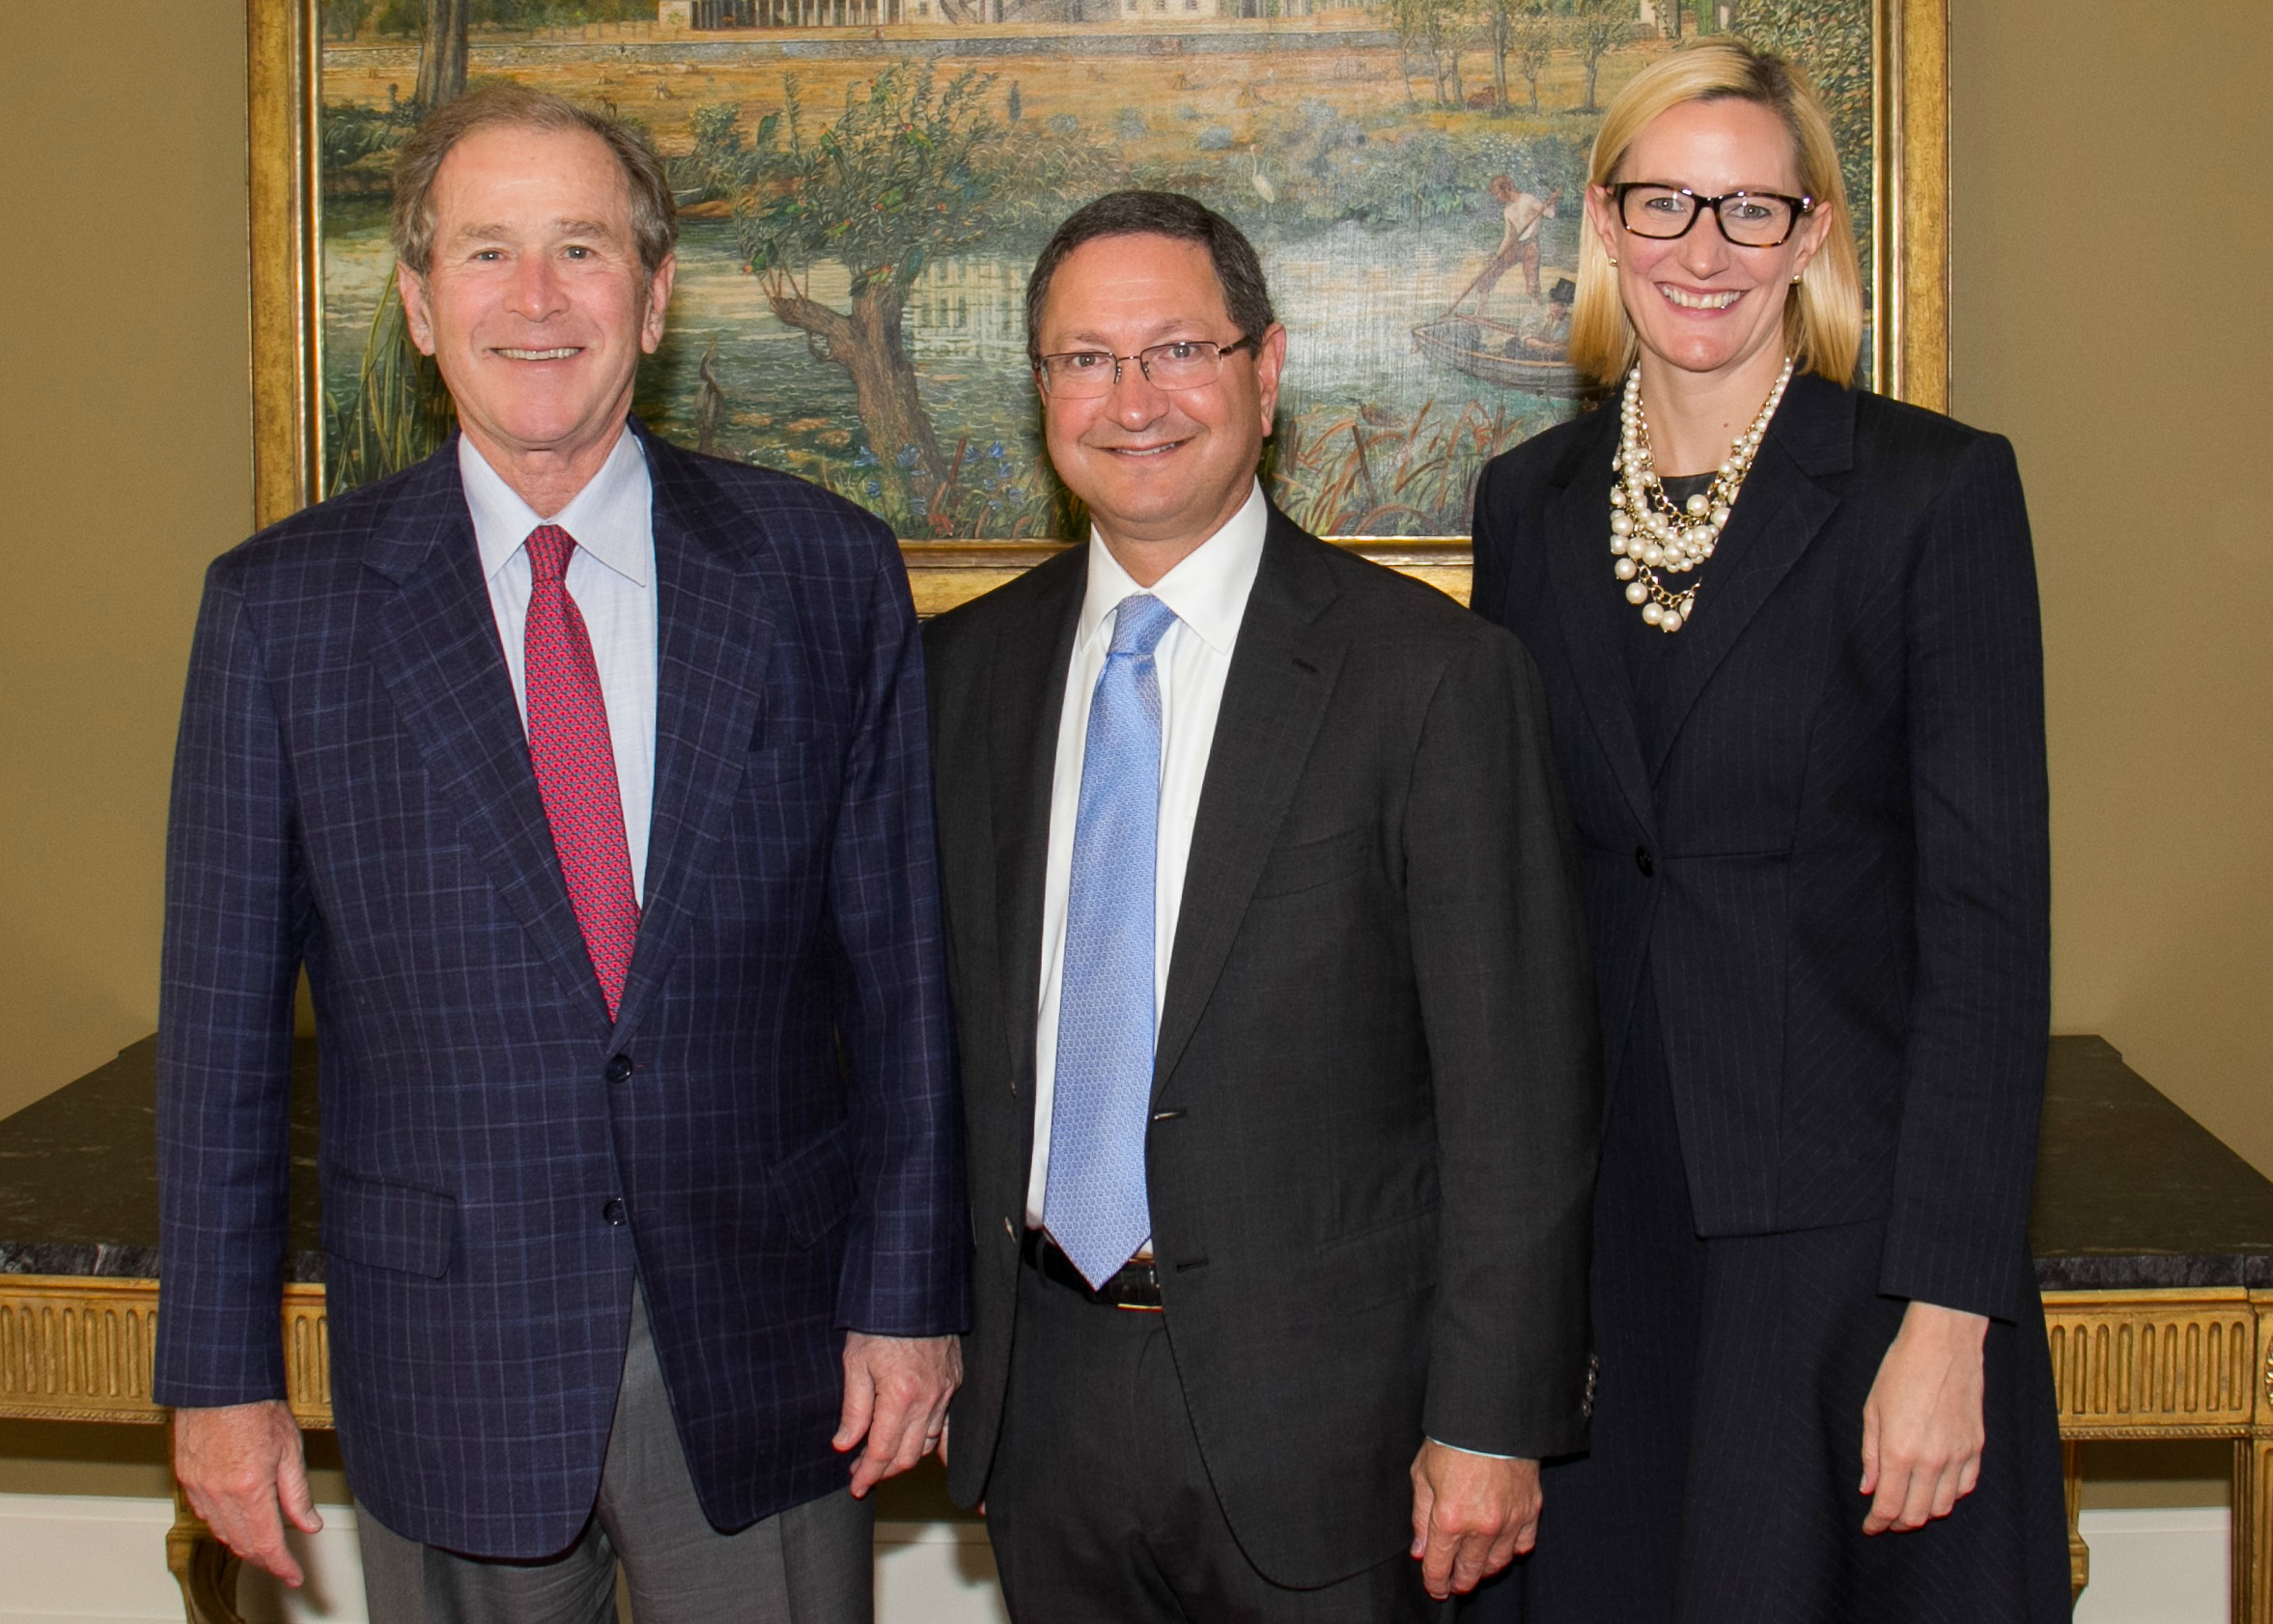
(1647, 533)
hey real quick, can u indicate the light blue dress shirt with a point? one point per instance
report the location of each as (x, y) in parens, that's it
(611, 576)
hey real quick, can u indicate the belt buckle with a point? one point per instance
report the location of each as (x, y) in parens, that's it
(1151, 1270)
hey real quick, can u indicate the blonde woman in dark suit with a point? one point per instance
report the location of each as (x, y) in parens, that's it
(1788, 633)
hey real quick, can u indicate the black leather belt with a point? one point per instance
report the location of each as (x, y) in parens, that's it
(1137, 1287)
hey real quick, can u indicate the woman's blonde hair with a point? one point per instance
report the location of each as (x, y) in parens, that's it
(1823, 316)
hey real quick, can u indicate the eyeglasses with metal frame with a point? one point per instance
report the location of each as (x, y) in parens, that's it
(1747, 219)
(1184, 363)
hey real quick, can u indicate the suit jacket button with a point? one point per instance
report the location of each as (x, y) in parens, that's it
(619, 1067)
(613, 1212)
(1642, 861)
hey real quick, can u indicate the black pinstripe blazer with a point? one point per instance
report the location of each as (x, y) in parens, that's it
(1833, 863)
(769, 1128)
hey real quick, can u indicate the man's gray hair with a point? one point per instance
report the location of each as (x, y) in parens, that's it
(655, 223)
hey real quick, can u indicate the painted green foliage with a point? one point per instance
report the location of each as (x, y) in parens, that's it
(858, 218)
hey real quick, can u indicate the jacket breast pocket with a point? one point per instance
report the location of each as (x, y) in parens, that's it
(387, 1225)
(1309, 864)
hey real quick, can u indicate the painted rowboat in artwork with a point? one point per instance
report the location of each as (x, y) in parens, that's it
(1474, 344)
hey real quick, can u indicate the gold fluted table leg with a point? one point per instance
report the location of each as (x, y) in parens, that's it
(201, 1564)
(2079, 1554)
(2253, 1530)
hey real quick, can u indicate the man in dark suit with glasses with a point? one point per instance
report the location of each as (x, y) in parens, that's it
(1277, 1041)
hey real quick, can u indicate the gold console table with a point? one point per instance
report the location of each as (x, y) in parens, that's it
(2153, 1246)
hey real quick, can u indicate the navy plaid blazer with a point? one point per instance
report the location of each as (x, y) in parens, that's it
(769, 1134)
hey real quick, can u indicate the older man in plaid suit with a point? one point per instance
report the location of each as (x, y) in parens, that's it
(587, 780)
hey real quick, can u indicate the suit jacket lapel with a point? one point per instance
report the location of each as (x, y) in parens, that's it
(1282, 673)
(1777, 514)
(1588, 601)
(436, 648)
(716, 637)
(1027, 695)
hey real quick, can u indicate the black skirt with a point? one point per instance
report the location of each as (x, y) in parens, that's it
(1728, 1430)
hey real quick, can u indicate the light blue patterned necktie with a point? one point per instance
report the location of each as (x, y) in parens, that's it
(1093, 1200)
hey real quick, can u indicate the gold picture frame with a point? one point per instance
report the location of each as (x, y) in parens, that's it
(1909, 261)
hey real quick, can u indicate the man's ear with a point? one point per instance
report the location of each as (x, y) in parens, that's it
(659, 300)
(1269, 363)
(417, 315)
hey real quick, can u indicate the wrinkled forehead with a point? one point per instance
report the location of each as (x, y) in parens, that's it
(514, 179)
(1125, 287)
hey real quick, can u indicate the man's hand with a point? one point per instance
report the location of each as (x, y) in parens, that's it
(1921, 1424)
(1471, 1515)
(896, 1392)
(237, 1464)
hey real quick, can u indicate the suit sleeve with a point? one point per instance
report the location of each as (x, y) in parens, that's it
(1980, 999)
(1500, 958)
(232, 941)
(1489, 546)
(908, 1262)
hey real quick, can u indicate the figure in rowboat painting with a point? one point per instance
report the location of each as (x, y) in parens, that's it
(1527, 350)
(863, 183)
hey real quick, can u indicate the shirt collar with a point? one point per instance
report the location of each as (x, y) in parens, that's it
(1207, 590)
(611, 519)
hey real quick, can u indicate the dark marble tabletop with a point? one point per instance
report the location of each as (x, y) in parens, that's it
(78, 1173)
(2131, 1192)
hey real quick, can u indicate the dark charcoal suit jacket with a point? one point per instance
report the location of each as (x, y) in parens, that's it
(1376, 1086)
(769, 1129)
(1831, 865)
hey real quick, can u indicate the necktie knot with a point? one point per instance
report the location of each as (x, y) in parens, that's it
(548, 548)
(1140, 621)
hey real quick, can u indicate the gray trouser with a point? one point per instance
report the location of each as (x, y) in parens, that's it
(811, 1564)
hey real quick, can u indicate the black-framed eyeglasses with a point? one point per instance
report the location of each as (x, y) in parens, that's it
(1184, 363)
(1749, 219)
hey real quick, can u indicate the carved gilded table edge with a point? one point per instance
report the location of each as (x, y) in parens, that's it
(2189, 1362)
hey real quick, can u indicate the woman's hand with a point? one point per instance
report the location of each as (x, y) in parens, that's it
(1921, 1424)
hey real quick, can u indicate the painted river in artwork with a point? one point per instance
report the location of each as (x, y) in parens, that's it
(1348, 298)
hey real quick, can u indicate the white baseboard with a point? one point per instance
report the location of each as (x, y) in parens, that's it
(82, 1560)
(2161, 1566)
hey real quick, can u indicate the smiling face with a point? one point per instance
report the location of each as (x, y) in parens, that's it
(1701, 303)
(534, 304)
(1161, 470)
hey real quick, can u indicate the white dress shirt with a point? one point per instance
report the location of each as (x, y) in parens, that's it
(1208, 592)
(611, 576)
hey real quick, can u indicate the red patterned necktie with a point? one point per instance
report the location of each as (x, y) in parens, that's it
(575, 764)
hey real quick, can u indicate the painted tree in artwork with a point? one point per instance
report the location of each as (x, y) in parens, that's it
(1519, 30)
(1530, 46)
(908, 173)
(1598, 27)
(442, 55)
(1435, 32)
(1832, 44)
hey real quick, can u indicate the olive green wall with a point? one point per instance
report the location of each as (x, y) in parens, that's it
(125, 454)
(2111, 265)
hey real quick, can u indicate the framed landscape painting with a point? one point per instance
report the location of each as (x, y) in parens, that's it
(862, 185)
